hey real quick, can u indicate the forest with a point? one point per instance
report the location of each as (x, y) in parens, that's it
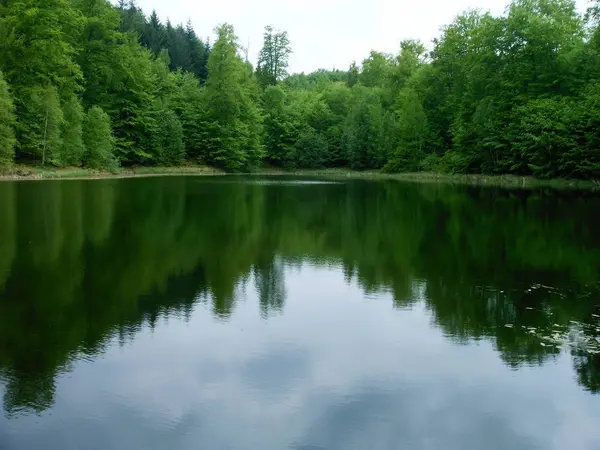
(90, 84)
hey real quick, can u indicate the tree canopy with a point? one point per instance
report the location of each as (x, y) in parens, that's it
(517, 93)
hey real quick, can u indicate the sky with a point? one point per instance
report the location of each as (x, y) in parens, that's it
(324, 33)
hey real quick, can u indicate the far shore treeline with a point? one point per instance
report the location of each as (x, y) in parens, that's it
(90, 84)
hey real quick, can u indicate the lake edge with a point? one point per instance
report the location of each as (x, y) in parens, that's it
(508, 181)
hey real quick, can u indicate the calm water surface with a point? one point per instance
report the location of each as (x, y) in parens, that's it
(275, 313)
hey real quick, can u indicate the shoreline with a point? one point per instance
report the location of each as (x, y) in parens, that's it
(21, 173)
(506, 181)
(503, 181)
(26, 173)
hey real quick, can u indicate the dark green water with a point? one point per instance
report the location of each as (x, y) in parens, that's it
(272, 314)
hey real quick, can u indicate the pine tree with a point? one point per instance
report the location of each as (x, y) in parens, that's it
(178, 45)
(197, 52)
(132, 18)
(99, 141)
(203, 70)
(7, 122)
(154, 36)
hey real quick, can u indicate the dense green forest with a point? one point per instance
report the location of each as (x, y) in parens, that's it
(110, 257)
(87, 83)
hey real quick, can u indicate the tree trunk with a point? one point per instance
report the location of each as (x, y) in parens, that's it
(45, 131)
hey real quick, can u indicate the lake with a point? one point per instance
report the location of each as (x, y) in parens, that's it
(297, 313)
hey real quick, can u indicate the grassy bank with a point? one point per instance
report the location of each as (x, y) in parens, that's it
(75, 173)
(509, 181)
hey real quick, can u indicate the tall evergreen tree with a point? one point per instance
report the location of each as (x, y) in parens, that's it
(203, 70)
(132, 18)
(197, 53)
(155, 35)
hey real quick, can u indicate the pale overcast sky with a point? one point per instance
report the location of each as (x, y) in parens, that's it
(324, 33)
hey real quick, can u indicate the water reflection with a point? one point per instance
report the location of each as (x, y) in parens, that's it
(85, 264)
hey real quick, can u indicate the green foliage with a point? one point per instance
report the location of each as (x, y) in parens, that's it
(410, 59)
(450, 162)
(339, 99)
(189, 104)
(315, 80)
(280, 134)
(298, 118)
(233, 123)
(311, 150)
(40, 125)
(186, 51)
(543, 135)
(582, 160)
(7, 123)
(155, 35)
(72, 150)
(99, 141)
(168, 139)
(273, 57)
(39, 44)
(100, 57)
(376, 70)
(363, 132)
(515, 94)
(353, 75)
(412, 131)
(131, 105)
